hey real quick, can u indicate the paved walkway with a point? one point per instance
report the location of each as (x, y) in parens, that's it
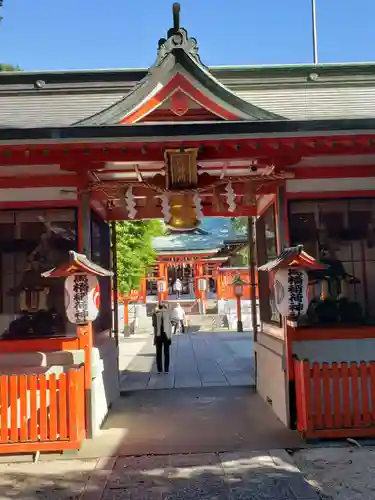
(221, 476)
(199, 359)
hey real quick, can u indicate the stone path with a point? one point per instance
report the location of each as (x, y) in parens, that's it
(224, 476)
(220, 476)
(197, 360)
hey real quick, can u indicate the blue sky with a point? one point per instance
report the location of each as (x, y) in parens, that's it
(73, 34)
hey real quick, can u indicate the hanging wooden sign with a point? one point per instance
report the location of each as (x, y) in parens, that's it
(82, 298)
(290, 290)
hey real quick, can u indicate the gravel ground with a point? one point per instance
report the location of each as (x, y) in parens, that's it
(339, 473)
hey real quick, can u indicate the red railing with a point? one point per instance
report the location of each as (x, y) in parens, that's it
(335, 401)
(42, 412)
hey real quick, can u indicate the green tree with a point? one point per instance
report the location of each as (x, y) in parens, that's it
(9, 67)
(135, 255)
(240, 226)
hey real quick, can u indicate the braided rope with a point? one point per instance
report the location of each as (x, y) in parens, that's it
(119, 186)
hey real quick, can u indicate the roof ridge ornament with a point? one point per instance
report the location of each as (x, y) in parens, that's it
(177, 38)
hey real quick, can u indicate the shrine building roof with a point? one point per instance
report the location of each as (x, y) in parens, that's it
(180, 85)
(213, 234)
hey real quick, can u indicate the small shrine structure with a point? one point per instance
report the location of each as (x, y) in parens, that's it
(204, 252)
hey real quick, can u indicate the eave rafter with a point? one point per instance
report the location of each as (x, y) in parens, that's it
(287, 150)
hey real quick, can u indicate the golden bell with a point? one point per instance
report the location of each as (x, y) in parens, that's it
(183, 213)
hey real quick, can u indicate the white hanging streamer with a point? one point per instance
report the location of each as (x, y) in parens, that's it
(198, 206)
(231, 197)
(165, 207)
(130, 203)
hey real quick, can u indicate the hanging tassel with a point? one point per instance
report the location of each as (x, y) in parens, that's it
(231, 197)
(130, 203)
(198, 206)
(165, 207)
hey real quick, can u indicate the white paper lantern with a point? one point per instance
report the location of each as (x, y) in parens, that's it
(82, 298)
(202, 284)
(290, 291)
(162, 286)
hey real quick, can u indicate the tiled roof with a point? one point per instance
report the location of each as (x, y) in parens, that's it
(289, 255)
(70, 96)
(218, 231)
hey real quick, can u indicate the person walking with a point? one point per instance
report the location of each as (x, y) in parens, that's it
(178, 287)
(162, 337)
(178, 318)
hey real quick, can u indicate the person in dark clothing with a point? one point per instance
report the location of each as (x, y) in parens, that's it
(162, 337)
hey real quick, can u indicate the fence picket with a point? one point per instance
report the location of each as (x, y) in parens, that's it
(337, 413)
(353, 369)
(4, 408)
(13, 407)
(364, 384)
(23, 408)
(372, 390)
(42, 412)
(317, 391)
(52, 414)
(328, 422)
(42, 407)
(33, 420)
(343, 399)
(62, 413)
(346, 405)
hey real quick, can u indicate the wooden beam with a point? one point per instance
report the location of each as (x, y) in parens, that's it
(23, 181)
(244, 149)
(328, 172)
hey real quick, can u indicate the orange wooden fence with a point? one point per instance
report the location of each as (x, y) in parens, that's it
(335, 401)
(42, 412)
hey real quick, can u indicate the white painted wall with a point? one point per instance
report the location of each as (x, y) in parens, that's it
(271, 374)
(9, 195)
(105, 382)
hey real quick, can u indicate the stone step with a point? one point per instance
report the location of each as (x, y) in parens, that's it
(207, 322)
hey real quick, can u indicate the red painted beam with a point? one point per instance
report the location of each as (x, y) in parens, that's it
(24, 181)
(333, 172)
(275, 149)
(117, 213)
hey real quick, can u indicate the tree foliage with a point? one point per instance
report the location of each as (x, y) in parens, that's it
(9, 67)
(135, 255)
(241, 258)
(239, 224)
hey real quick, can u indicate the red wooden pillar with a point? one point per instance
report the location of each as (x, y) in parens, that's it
(203, 292)
(126, 314)
(219, 285)
(163, 276)
(142, 290)
(197, 293)
(85, 340)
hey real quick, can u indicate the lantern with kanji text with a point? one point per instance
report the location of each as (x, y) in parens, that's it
(289, 280)
(202, 284)
(82, 289)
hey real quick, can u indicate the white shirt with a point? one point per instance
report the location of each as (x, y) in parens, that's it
(178, 314)
(178, 285)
